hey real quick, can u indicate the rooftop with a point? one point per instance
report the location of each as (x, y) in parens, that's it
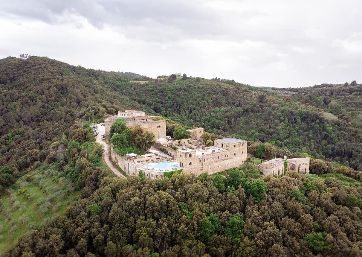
(230, 140)
(272, 163)
(162, 166)
(208, 150)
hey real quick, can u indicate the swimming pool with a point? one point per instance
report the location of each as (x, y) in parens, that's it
(163, 166)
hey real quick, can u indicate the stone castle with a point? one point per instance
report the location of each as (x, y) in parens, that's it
(167, 155)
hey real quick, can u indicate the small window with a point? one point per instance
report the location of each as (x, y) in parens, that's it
(190, 163)
(190, 155)
(234, 154)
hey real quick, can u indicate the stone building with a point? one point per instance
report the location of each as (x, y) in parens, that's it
(189, 155)
(196, 133)
(153, 124)
(279, 166)
(226, 153)
(299, 165)
(153, 164)
(274, 167)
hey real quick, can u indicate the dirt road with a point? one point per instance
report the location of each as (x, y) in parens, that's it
(106, 147)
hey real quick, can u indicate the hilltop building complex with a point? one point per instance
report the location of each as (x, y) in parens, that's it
(167, 155)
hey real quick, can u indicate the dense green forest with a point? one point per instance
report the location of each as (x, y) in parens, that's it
(49, 162)
(232, 214)
(39, 100)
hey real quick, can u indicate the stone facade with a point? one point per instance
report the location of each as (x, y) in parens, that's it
(226, 153)
(152, 124)
(276, 167)
(299, 165)
(196, 133)
(190, 154)
(132, 164)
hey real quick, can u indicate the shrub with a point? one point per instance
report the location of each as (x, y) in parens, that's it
(317, 241)
(235, 226)
(180, 133)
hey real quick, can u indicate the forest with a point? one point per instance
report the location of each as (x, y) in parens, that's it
(65, 202)
(235, 213)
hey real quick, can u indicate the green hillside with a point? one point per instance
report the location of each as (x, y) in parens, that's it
(40, 99)
(276, 116)
(40, 195)
(49, 162)
(232, 214)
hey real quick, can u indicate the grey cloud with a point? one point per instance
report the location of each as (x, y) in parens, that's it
(268, 41)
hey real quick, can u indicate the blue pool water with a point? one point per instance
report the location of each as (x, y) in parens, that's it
(163, 166)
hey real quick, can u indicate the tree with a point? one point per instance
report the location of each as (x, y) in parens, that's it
(317, 241)
(260, 151)
(318, 166)
(255, 187)
(208, 138)
(172, 77)
(118, 127)
(234, 226)
(141, 139)
(121, 140)
(180, 133)
(262, 99)
(219, 182)
(111, 249)
(208, 226)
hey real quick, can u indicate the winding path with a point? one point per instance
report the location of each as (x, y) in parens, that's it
(106, 147)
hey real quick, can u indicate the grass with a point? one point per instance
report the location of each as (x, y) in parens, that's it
(344, 180)
(255, 160)
(36, 198)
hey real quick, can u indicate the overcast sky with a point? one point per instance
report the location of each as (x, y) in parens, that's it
(260, 42)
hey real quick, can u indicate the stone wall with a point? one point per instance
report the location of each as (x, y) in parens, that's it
(152, 124)
(274, 167)
(230, 155)
(196, 133)
(299, 165)
(108, 123)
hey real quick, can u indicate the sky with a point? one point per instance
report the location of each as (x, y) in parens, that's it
(281, 43)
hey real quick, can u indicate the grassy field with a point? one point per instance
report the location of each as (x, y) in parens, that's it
(36, 198)
(344, 180)
(340, 178)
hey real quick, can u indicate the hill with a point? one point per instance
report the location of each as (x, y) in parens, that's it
(48, 157)
(288, 118)
(231, 214)
(40, 94)
(40, 99)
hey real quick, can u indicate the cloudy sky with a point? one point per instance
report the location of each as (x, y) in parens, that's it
(260, 42)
